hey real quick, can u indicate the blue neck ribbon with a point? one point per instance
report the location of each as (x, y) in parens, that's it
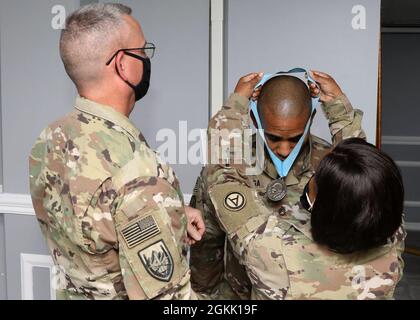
(283, 166)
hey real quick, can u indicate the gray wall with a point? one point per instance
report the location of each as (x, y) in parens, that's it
(3, 291)
(1, 146)
(272, 35)
(34, 88)
(179, 88)
(22, 236)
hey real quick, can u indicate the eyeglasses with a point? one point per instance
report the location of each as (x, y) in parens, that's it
(148, 51)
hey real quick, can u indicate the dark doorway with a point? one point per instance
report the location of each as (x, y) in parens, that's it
(400, 129)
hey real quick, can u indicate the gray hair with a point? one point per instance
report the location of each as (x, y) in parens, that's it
(90, 34)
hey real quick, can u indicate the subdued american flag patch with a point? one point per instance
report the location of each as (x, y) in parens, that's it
(140, 231)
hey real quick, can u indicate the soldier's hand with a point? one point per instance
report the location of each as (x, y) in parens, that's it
(246, 84)
(196, 226)
(329, 88)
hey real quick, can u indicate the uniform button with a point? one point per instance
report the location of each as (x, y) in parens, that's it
(282, 211)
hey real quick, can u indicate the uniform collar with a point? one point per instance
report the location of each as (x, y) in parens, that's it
(107, 113)
(302, 164)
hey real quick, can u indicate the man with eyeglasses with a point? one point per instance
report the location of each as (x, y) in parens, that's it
(112, 212)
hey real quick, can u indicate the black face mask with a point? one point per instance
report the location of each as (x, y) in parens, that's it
(140, 89)
(304, 200)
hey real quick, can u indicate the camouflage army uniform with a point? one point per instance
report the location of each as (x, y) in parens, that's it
(111, 211)
(216, 261)
(283, 262)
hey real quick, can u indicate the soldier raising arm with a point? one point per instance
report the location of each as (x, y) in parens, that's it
(285, 101)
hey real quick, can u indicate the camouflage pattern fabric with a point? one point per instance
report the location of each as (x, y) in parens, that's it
(217, 264)
(112, 212)
(283, 262)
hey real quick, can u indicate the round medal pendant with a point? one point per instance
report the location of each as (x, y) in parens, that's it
(276, 190)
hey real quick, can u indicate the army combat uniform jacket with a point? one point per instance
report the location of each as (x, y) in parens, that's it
(283, 262)
(112, 212)
(234, 203)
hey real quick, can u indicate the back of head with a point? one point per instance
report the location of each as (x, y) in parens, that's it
(91, 35)
(285, 96)
(360, 195)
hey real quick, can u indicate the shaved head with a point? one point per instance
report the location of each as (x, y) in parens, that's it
(285, 97)
(284, 106)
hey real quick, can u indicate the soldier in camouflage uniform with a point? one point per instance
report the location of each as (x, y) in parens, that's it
(112, 212)
(234, 203)
(355, 254)
(283, 262)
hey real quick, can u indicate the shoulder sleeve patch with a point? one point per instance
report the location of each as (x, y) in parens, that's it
(140, 230)
(235, 204)
(152, 252)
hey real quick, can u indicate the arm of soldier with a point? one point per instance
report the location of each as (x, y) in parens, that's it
(238, 212)
(234, 112)
(207, 255)
(344, 121)
(229, 131)
(266, 268)
(36, 179)
(237, 208)
(151, 226)
(143, 223)
(399, 242)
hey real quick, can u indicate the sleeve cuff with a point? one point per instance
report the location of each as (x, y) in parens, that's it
(339, 106)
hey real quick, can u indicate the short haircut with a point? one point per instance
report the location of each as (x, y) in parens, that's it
(285, 96)
(91, 33)
(360, 198)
